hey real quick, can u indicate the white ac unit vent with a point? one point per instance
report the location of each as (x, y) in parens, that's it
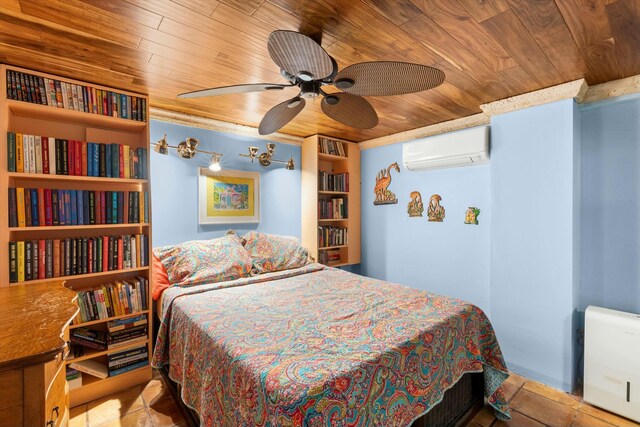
(463, 148)
(612, 361)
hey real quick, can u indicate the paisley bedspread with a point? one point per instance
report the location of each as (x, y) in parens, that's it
(318, 346)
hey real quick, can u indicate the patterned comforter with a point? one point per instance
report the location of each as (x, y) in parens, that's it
(318, 346)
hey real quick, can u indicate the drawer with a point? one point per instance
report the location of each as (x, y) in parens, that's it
(57, 401)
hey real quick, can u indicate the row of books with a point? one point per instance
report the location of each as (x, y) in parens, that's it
(58, 156)
(70, 96)
(330, 146)
(117, 363)
(332, 236)
(332, 208)
(100, 340)
(44, 259)
(33, 207)
(329, 257)
(118, 298)
(74, 378)
(333, 182)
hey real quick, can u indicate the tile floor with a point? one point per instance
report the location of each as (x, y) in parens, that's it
(532, 405)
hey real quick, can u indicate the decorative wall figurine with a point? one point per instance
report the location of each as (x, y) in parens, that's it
(435, 212)
(383, 179)
(415, 207)
(471, 216)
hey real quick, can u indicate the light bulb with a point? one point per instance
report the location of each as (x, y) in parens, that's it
(215, 163)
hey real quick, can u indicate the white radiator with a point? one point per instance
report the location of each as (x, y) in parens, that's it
(612, 361)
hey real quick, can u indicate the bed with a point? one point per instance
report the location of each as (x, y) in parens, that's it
(318, 346)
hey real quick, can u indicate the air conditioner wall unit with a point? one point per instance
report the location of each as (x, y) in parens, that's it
(464, 148)
(612, 361)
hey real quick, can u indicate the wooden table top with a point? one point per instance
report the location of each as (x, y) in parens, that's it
(32, 320)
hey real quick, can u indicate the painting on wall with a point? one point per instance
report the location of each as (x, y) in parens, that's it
(415, 207)
(435, 211)
(471, 216)
(228, 197)
(384, 196)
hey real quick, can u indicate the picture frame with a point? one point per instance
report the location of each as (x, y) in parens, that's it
(228, 197)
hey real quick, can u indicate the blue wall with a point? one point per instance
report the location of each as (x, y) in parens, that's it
(535, 239)
(174, 182)
(611, 205)
(450, 258)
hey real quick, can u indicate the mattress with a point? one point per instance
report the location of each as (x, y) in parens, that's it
(321, 346)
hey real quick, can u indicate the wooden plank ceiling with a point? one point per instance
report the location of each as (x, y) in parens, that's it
(489, 49)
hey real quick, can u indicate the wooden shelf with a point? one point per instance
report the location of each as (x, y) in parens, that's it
(326, 248)
(83, 276)
(101, 180)
(337, 264)
(108, 319)
(333, 219)
(48, 112)
(91, 354)
(78, 227)
(324, 156)
(334, 192)
(94, 387)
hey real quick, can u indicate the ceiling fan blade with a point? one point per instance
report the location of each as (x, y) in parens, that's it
(380, 78)
(299, 55)
(280, 115)
(351, 110)
(226, 90)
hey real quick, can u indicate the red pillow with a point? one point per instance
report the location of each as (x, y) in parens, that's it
(159, 279)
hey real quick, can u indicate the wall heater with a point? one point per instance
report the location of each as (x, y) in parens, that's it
(612, 361)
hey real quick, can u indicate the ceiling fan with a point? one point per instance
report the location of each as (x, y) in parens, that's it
(305, 64)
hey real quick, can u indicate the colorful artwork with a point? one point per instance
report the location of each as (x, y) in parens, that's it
(471, 216)
(228, 197)
(435, 212)
(415, 207)
(384, 196)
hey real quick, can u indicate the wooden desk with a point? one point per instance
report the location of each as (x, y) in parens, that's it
(34, 321)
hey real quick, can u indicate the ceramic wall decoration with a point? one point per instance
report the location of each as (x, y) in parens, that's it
(435, 212)
(384, 196)
(415, 207)
(471, 216)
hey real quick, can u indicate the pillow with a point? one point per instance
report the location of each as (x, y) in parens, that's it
(205, 261)
(159, 278)
(274, 253)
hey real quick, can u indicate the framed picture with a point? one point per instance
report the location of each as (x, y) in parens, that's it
(228, 197)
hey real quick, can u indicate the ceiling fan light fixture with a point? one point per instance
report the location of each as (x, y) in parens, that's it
(290, 165)
(162, 146)
(305, 76)
(331, 99)
(344, 83)
(294, 102)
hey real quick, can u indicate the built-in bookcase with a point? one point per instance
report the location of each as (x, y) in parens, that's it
(331, 200)
(79, 124)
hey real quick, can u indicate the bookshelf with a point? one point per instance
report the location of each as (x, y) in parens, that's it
(65, 123)
(328, 207)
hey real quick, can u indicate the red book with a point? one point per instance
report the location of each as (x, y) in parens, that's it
(90, 256)
(84, 158)
(48, 219)
(71, 157)
(42, 262)
(56, 258)
(121, 149)
(105, 253)
(45, 154)
(41, 217)
(120, 248)
(78, 158)
(98, 207)
(103, 203)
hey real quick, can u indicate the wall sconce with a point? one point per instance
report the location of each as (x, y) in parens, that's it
(266, 158)
(187, 149)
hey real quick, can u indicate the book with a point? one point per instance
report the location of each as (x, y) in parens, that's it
(128, 368)
(45, 154)
(91, 367)
(19, 153)
(37, 148)
(11, 152)
(13, 207)
(126, 361)
(75, 382)
(13, 262)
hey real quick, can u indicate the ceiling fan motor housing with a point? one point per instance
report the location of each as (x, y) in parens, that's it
(309, 89)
